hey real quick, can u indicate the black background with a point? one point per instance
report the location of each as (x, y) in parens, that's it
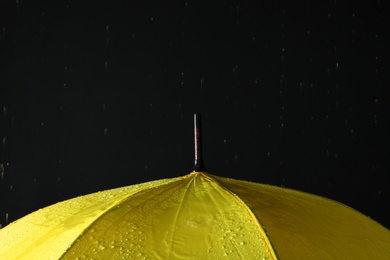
(100, 94)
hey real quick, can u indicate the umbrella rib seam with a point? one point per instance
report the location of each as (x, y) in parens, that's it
(250, 213)
(109, 209)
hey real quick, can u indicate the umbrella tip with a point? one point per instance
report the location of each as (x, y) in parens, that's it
(198, 162)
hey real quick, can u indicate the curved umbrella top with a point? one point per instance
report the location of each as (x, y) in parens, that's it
(196, 216)
(200, 216)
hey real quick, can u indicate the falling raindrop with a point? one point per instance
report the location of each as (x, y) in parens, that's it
(236, 158)
(201, 83)
(105, 132)
(5, 112)
(2, 172)
(6, 218)
(235, 68)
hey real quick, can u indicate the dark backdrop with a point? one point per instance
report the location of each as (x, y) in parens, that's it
(100, 94)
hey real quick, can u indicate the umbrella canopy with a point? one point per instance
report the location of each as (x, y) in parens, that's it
(196, 216)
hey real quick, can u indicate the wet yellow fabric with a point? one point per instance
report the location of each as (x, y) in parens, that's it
(305, 226)
(197, 216)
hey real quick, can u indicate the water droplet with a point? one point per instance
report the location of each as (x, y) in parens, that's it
(2, 172)
(201, 82)
(235, 68)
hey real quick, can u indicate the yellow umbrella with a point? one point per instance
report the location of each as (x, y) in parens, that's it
(196, 216)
